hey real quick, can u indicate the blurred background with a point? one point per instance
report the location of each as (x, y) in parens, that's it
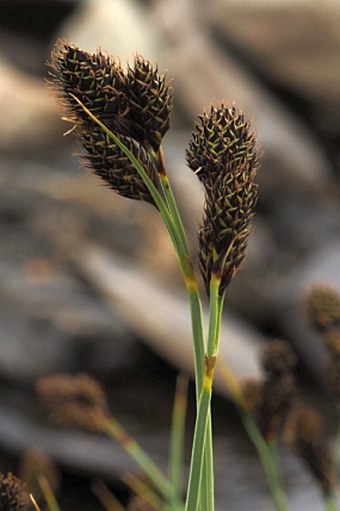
(88, 279)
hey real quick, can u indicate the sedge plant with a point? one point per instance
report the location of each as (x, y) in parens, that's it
(120, 118)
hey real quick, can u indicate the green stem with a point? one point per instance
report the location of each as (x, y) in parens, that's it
(143, 490)
(197, 453)
(202, 451)
(214, 316)
(184, 257)
(198, 335)
(330, 503)
(267, 459)
(173, 222)
(116, 431)
(48, 493)
(106, 497)
(177, 441)
(172, 205)
(206, 489)
(208, 484)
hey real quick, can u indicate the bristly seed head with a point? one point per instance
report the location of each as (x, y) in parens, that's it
(224, 155)
(221, 138)
(97, 80)
(151, 101)
(107, 160)
(135, 106)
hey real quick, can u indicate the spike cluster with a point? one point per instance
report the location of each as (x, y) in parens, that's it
(224, 155)
(135, 105)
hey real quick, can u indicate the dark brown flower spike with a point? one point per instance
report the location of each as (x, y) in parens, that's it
(105, 159)
(151, 101)
(230, 199)
(97, 80)
(224, 155)
(221, 138)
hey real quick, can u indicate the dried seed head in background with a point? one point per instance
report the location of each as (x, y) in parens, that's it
(77, 401)
(323, 312)
(278, 359)
(224, 155)
(13, 494)
(278, 396)
(323, 307)
(304, 432)
(270, 401)
(332, 342)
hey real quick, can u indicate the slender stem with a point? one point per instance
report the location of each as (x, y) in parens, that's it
(206, 497)
(206, 489)
(177, 440)
(198, 335)
(330, 503)
(214, 317)
(34, 503)
(189, 278)
(171, 203)
(106, 497)
(208, 484)
(267, 459)
(197, 453)
(203, 420)
(113, 429)
(143, 490)
(48, 493)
